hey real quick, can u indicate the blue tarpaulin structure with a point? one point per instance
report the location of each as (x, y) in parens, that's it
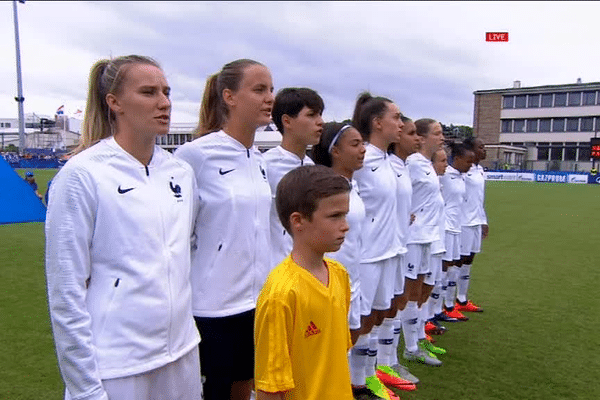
(18, 202)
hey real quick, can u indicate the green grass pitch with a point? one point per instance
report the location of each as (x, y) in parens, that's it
(537, 280)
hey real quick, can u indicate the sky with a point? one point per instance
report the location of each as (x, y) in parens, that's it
(428, 57)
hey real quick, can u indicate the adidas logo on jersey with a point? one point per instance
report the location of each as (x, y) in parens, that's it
(311, 330)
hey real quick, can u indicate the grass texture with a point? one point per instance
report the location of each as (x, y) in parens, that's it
(536, 278)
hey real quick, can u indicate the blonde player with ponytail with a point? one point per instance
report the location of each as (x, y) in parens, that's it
(118, 234)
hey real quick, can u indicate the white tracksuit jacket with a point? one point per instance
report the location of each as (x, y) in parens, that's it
(427, 203)
(377, 186)
(473, 210)
(232, 257)
(118, 265)
(280, 162)
(453, 192)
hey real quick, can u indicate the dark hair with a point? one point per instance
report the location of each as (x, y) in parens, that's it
(469, 142)
(320, 152)
(213, 111)
(291, 101)
(392, 147)
(368, 107)
(301, 189)
(458, 149)
(423, 125)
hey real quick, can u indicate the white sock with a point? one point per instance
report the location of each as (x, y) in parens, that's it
(372, 359)
(444, 292)
(435, 300)
(450, 299)
(386, 342)
(423, 313)
(397, 330)
(462, 283)
(358, 361)
(410, 319)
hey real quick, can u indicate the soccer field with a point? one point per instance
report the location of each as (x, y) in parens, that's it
(536, 279)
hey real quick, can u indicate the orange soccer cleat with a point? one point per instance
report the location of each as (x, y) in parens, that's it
(456, 314)
(468, 307)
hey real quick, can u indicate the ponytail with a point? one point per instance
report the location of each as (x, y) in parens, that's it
(213, 111)
(366, 109)
(106, 76)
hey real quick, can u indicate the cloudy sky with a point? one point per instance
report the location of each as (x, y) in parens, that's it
(428, 57)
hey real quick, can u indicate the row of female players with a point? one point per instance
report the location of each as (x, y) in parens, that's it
(121, 215)
(412, 238)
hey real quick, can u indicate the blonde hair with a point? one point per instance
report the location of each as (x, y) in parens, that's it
(106, 76)
(213, 111)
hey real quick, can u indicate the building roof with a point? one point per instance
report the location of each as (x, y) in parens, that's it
(543, 89)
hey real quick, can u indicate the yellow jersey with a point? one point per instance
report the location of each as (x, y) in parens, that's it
(301, 333)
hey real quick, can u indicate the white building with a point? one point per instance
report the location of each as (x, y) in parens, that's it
(180, 133)
(552, 125)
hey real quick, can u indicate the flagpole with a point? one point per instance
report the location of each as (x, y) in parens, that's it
(20, 99)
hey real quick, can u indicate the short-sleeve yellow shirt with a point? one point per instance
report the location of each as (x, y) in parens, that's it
(301, 333)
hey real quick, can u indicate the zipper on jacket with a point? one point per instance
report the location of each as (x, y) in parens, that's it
(255, 196)
(166, 259)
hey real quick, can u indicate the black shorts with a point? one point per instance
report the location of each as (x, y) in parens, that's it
(226, 352)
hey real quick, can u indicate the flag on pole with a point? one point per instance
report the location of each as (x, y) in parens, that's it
(60, 110)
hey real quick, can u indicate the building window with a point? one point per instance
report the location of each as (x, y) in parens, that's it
(589, 98)
(532, 125)
(517, 144)
(519, 125)
(556, 152)
(508, 102)
(520, 101)
(558, 124)
(506, 125)
(545, 125)
(587, 124)
(533, 101)
(543, 151)
(572, 124)
(547, 100)
(584, 151)
(570, 151)
(575, 98)
(560, 99)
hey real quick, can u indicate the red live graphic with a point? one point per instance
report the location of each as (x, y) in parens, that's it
(496, 36)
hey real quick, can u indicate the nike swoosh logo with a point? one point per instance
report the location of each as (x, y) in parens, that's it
(399, 175)
(453, 177)
(428, 173)
(469, 174)
(123, 191)
(374, 169)
(225, 172)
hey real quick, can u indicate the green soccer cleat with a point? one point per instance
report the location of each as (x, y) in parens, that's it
(428, 346)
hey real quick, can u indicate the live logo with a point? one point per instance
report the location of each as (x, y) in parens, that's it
(496, 36)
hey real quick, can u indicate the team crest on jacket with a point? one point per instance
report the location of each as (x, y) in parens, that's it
(311, 330)
(175, 188)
